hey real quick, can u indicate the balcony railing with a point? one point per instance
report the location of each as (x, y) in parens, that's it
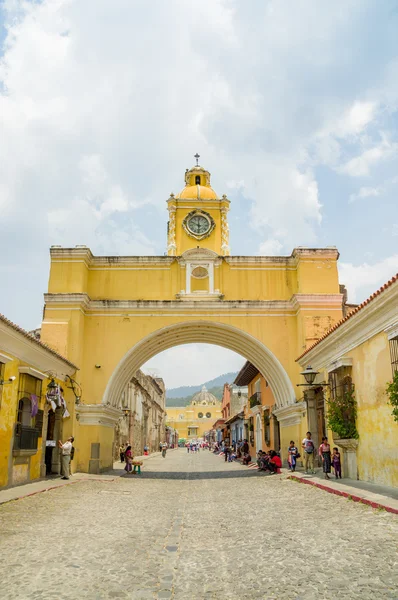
(255, 400)
(26, 438)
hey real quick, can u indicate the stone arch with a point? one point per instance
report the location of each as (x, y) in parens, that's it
(205, 332)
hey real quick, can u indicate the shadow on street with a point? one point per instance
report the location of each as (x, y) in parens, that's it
(196, 476)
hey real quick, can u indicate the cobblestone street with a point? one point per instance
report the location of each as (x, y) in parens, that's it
(195, 527)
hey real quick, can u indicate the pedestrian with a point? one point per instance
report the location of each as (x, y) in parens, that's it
(246, 458)
(164, 449)
(72, 455)
(128, 457)
(324, 453)
(227, 452)
(245, 447)
(66, 450)
(187, 448)
(160, 446)
(309, 449)
(121, 452)
(292, 456)
(336, 462)
(274, 463)
(146, 450)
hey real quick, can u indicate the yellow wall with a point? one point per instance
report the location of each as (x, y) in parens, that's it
(22, 469)
(377, 454)
(190, 418)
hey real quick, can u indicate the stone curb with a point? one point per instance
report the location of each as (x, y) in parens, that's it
(352, 497)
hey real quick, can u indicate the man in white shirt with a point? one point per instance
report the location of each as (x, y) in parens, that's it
(66, 450)
(309, 451)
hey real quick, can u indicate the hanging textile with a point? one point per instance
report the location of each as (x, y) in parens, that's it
(34, 405)
(54, 396)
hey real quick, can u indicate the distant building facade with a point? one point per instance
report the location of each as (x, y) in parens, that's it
(261, 427)
(195, 420)
(143, 422)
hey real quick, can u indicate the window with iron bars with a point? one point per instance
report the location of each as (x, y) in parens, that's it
(339, 387)
(27, 428)
(394, 355)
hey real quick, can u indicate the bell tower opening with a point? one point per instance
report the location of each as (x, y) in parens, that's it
(197, 179)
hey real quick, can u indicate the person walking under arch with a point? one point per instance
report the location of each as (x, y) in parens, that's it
(309, 450)
(128, 457)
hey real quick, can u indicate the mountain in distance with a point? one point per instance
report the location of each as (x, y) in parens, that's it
(181, 396)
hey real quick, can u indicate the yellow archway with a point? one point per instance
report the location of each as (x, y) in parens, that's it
(205, 332)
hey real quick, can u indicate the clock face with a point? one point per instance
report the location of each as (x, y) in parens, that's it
(198, 225)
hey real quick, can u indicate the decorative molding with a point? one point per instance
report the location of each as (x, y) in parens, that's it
(338, 364)
(5, 359)
(314, 300)
(349, 445)
(33, 372)
(392, 331)
(225, 251)
(98, 414)
(290, 415)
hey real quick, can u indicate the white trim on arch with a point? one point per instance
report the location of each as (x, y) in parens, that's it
(205, 332)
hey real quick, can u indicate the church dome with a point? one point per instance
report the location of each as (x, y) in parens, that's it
(197, 185)
(204, 398)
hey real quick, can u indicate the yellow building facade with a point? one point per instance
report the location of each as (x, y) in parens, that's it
(194, 420)
(110, 314)
(30, 426)
(362, 352)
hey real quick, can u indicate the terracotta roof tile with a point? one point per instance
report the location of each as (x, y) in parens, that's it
(351, 314)
(34, 340)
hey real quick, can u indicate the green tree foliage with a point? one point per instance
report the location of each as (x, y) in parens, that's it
(342, 414)
(392, 393)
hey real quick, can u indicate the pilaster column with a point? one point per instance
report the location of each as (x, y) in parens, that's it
(188, 278)
(211, 278)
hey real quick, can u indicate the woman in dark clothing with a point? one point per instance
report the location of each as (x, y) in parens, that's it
(324, 452)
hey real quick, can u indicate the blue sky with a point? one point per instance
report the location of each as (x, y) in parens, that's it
(293, 107)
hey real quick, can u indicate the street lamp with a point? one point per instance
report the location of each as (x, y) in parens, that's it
(309, 375)
(75, 387)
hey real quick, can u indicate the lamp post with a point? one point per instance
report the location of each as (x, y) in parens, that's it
(309, 375)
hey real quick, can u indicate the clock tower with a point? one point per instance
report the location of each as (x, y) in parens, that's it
(197, 216)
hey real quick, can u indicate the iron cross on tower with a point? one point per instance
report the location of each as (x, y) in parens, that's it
(197, 156)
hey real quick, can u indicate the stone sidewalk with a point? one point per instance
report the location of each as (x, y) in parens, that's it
(192, 527)
(50, 483)
(376, 496)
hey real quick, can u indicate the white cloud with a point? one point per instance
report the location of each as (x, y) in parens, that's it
(360, 166)
(356, 118)
(362, 280)
(99, 118)
(366, 192)
(271, 247)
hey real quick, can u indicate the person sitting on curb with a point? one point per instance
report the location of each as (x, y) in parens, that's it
(275, 463)
(246, 459)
